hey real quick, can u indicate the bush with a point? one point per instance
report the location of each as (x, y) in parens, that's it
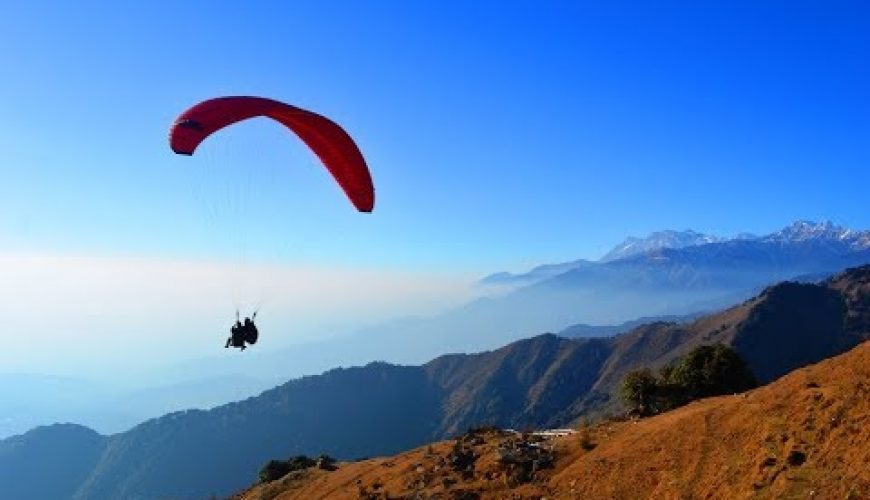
(273, 470)
(276, 469)
(586, 442)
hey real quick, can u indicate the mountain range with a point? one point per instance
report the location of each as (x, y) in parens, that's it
(380, 408)
(824, 237)
(674, 275)
(662, 282)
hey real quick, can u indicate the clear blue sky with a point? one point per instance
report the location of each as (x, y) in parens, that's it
(499, 133)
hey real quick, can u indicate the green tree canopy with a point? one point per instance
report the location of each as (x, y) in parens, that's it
(639, 389)
(709, 370)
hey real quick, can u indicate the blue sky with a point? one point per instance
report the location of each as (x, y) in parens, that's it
(498, 133)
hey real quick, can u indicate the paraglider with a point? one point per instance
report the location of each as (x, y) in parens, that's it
(242, 333)
(335, 148)
(236, 339)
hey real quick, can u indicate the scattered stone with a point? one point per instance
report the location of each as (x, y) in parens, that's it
(462, 458)
(796, 458)
(465, 495)
(522, 460)
(327, 463)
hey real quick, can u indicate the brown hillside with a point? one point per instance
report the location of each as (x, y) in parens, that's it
(786, 326)
(805, 435)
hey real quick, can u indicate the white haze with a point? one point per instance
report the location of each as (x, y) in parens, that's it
(85, 315)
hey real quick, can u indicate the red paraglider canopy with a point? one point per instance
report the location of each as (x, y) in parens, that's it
(330, 142)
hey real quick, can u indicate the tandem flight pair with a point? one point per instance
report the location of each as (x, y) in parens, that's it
(335, 148)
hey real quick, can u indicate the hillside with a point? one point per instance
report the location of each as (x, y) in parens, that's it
(582, 330)
(195, 454)
(48, 462)
(378, 409)
(805, 435)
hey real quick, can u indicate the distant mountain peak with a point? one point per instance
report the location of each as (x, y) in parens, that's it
(658, 240)
(537, 274)
(799, 231)
(802, 229)
(830, 244)
(805, 230)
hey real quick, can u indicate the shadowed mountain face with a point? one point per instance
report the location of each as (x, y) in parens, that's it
(582, 330)
(48, 462)
(529, 383)
(28, 401)
(799, 312)
(345, 412)
(378, 409)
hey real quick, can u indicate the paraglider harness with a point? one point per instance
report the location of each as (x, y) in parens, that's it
(242, 333)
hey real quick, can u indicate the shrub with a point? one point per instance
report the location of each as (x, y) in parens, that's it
(276, 469)
(586, 442)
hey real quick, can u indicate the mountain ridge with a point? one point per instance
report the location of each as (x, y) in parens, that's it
(800, 231)
(667, 238)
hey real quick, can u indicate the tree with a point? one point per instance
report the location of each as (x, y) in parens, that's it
(638, 390)
(710, 370)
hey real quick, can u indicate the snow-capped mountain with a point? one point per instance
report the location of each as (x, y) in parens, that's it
(801, 247)
(797, 232)
(658, 240)
(826, 231)
(659, 283)
(666, 273)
